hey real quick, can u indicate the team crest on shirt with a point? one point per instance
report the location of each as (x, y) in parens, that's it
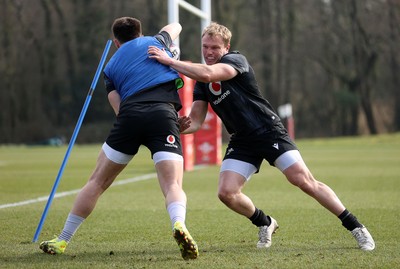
(171, 141)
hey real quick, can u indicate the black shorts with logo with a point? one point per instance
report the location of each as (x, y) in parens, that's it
(264, 144)
(152, 124)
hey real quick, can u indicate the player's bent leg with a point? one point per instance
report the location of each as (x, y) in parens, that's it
(233, 176)
(293, 167)
(102, 177)
(295, 170)
(230, 187)
(104, 174)
(169, 168)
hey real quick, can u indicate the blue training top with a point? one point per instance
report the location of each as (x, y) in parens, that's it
(130, 69)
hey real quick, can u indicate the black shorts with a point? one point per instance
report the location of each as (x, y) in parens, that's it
(268, 145)
(152, 124)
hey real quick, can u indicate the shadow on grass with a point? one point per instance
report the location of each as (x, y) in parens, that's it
(219, 254)
(91, 258)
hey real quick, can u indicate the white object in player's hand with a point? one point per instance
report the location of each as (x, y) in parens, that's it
(175, 51)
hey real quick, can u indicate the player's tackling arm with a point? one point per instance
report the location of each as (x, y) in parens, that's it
(204, 73)
(200, 72)
(196, 117)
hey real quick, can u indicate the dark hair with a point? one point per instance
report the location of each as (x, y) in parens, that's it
(126, 29)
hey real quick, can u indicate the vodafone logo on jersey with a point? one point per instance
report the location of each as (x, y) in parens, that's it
(215, 87)
(171, 142)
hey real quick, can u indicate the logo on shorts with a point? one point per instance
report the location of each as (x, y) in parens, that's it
(171, 142)
(171, 139)
(229, 151)
(275, 145)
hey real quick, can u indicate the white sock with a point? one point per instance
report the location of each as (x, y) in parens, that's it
(177, 212)
(70, 227)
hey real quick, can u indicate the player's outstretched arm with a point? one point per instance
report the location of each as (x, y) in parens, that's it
(200, 72)
(173, 29)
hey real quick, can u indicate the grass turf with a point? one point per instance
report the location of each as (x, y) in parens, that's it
(130, 227)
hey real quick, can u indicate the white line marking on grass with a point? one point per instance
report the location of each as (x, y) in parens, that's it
(67, 193)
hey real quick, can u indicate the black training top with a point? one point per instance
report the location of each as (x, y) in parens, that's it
(238, 101)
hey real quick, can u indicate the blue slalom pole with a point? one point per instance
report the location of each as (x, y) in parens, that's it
(72, 141)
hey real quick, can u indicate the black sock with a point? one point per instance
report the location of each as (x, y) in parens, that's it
(260, 219)
(349, 221)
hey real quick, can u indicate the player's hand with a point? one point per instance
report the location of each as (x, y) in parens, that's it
(184, 123)
(159, 54)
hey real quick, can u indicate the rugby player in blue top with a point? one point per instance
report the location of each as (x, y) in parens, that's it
(228, 83)
(143, 95)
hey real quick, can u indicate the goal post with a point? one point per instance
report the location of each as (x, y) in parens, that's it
(204, 146)
(204, 13)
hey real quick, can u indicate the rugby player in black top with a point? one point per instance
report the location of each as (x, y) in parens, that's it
(228, 83)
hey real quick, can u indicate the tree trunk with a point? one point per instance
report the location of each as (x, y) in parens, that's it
(394, 59)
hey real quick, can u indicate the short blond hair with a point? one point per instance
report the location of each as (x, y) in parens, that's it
(215, 29)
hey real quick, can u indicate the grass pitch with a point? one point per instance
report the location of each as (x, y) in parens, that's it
(130, 227)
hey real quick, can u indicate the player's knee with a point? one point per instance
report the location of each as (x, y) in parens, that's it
(306, 183)
(225, 196)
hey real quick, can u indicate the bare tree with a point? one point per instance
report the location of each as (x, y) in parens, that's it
(337, 62)
(394, 41)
